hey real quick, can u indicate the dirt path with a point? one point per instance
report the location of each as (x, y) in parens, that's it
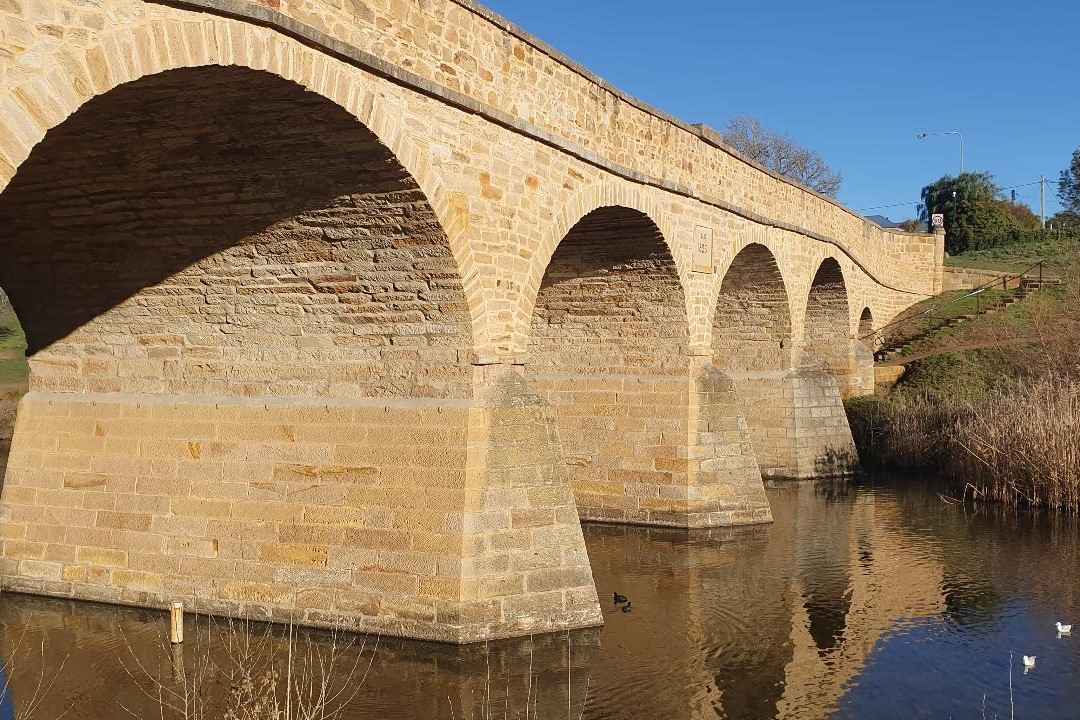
(986, 345)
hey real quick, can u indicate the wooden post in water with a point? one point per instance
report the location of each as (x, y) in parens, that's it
(176, 623)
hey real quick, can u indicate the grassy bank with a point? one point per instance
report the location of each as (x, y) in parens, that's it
(13, 368)
(1056, 253)
(995, 406)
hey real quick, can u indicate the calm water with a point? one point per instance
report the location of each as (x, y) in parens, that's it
(872, 599)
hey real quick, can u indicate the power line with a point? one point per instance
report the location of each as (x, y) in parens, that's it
(919, 202)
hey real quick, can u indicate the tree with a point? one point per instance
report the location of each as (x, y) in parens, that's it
(1024, 216)
(974, 217)
(1069, 185)
(1065, 220)
(781, 154)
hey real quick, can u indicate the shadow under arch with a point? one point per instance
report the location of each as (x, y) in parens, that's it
(610, 300)
(752, 318)
(866, 328)
(827, 325)
(607, 343)
(220, 218)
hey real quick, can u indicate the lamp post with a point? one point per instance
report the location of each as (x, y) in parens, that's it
(960, 135)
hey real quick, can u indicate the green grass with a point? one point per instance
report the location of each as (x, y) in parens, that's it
(1055, 252)
(13, 367)
(971, 375)
(16, 339)
(930, 315)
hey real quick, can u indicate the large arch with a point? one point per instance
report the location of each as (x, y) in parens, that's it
(607, 346)
(194, 239)
(78, 74)
(212, 231)
(752, 344)
(610, 301)
(827, 324)
(591, 199)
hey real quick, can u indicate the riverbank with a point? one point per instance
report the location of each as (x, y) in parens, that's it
(993, 404)
(14, 371)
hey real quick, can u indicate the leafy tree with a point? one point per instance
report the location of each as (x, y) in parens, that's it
(1069, 185)
(974, 217)
(1065, 220)
(1024, 216)
(781, 154)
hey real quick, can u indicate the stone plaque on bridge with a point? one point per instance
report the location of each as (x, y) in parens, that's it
(703, 249)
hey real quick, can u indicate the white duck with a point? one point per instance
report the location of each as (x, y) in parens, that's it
(1063, 629)
(1029, 661)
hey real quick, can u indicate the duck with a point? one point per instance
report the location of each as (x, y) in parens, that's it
(627, 607)
(1029, 661)
(619, 599)
(1063, 629)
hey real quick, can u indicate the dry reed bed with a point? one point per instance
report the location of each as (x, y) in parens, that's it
(9, 401)
(1021, 447)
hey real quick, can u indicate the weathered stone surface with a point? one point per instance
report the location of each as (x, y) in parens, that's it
(333, 309)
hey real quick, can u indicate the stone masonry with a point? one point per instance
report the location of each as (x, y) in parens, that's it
(346, 313)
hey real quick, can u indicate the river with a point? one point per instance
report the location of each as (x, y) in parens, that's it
(867, 599)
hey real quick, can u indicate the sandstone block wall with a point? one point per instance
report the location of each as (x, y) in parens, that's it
(184, 254)
(241, 215)
(445, 520)
(965, 279)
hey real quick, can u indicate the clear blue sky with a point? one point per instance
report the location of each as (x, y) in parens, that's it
(854, 81)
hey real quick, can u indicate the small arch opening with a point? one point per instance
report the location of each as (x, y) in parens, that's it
(752, 322)
(827, 326)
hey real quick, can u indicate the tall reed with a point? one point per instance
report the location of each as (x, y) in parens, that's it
(1020, 446)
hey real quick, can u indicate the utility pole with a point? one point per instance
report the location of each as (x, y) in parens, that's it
(1042, 199)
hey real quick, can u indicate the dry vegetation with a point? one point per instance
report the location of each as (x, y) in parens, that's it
(1002, 423)
(240, 670)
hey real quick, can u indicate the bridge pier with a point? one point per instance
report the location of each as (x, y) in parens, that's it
(797, 423)
(446, 520)
(667, 451)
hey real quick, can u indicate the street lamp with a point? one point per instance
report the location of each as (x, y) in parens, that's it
(960, 135)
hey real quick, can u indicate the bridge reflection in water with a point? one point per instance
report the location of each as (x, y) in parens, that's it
(767, 621)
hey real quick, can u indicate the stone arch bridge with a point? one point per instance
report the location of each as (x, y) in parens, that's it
(346, 313)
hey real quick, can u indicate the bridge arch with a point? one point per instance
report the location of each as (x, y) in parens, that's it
(602, 197)
(213, 230)
(115, 59)
(827, 325)
(607, 348)
(610, 293)
(866, 327)
(751, 327)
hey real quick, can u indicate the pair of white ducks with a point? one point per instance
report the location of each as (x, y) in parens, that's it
(1029, 660)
